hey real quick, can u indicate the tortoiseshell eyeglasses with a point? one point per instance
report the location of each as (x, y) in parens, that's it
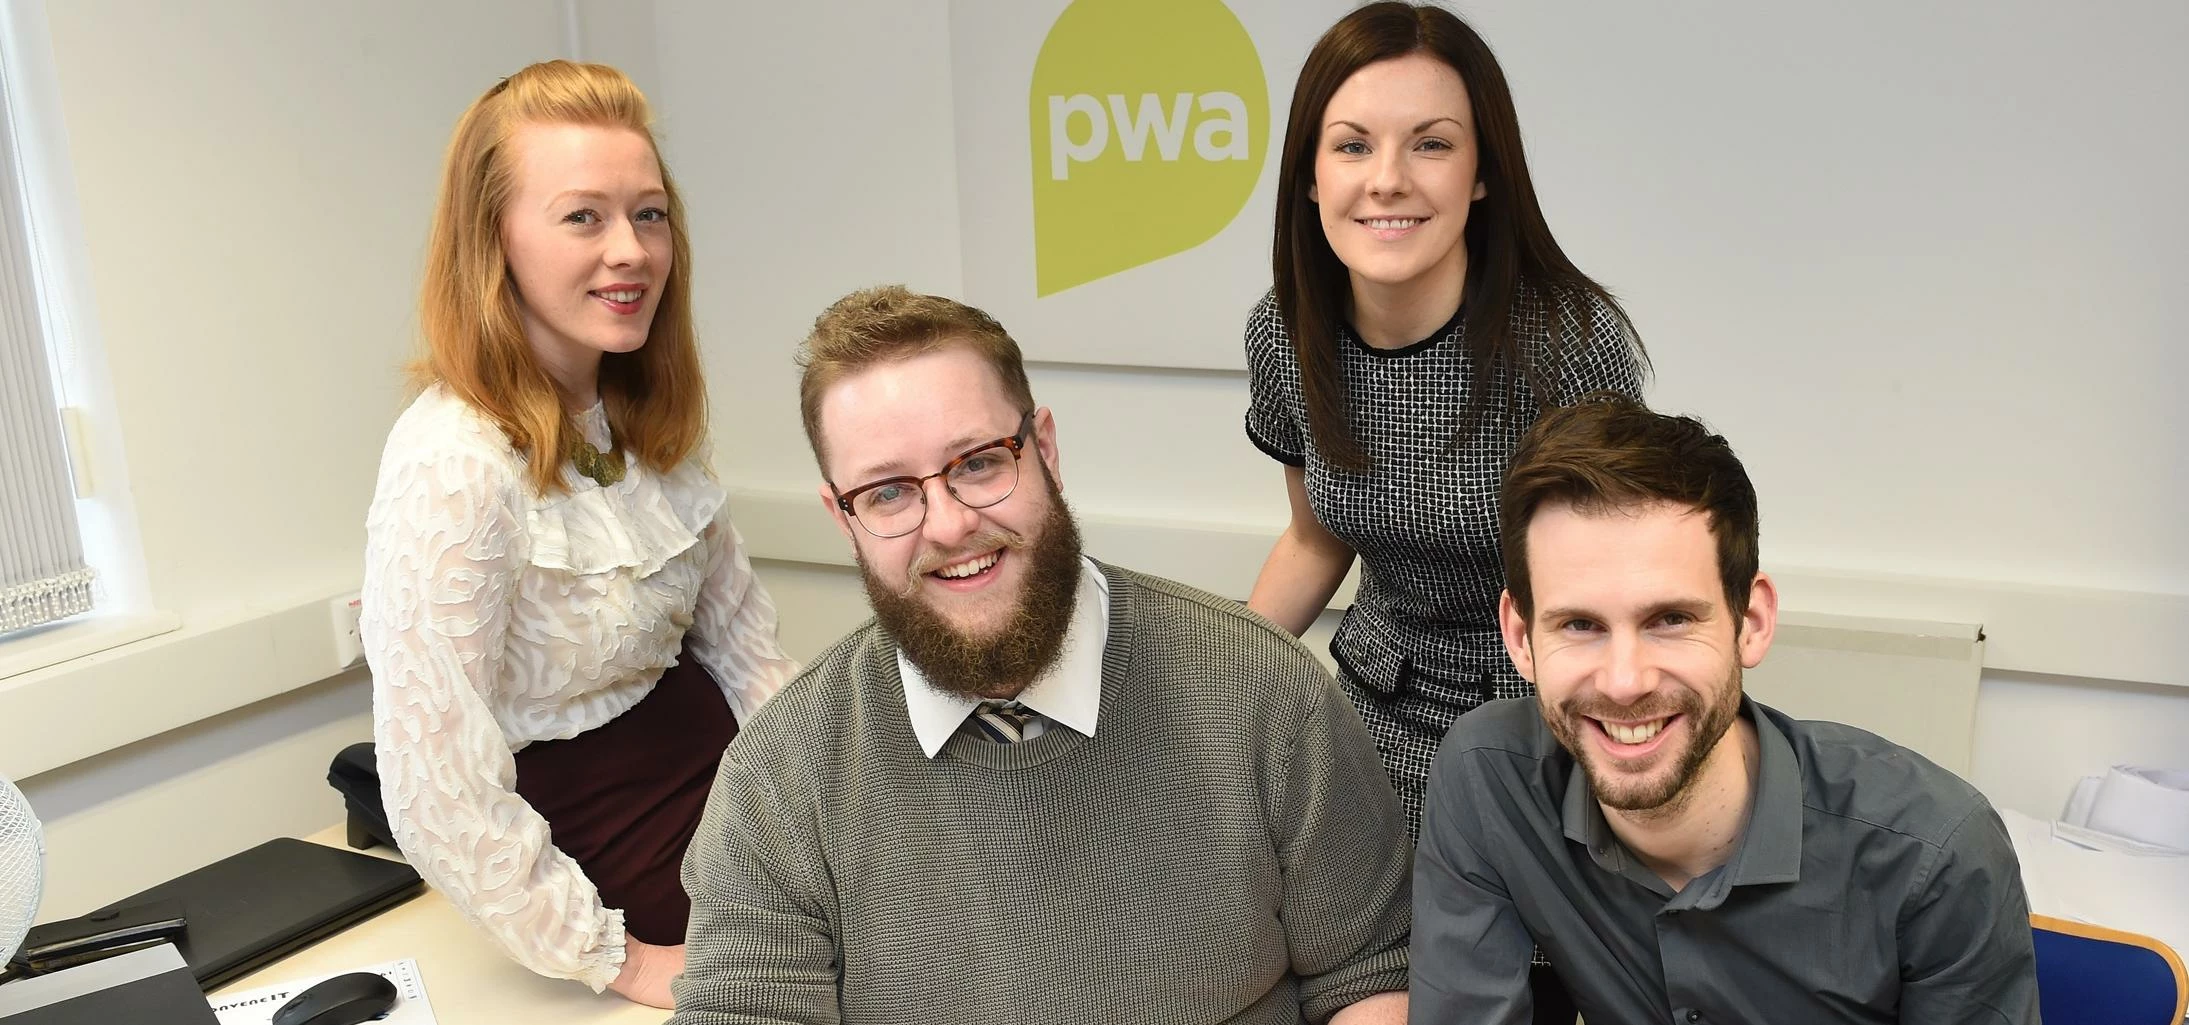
(979, 477)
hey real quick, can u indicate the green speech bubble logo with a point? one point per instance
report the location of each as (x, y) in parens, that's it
(1150, 121)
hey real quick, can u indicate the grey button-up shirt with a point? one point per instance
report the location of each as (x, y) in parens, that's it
(1870, 885)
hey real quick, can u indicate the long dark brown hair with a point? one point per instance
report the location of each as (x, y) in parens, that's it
(1511, 256)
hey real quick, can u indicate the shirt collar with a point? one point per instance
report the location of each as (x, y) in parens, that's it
(1069, 693)
(1770, 846)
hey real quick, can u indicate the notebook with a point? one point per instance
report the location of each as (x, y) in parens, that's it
(280, 896)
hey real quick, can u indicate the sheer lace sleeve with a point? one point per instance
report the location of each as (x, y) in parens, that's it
(443, 547)
(733, 626)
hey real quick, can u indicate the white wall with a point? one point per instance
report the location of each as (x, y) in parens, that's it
(119, 822)
(2036, 735)
(805, 137)
(1946, 349)
(1920, 262)
(254, 181)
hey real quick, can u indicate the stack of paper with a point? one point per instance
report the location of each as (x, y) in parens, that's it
(2117, 857)
(2130, 809)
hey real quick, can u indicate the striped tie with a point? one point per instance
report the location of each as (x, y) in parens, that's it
(1002, 721)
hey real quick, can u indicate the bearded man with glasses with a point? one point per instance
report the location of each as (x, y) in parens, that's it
(1036, 788)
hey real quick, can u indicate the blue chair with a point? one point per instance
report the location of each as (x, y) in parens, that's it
(2092, 975)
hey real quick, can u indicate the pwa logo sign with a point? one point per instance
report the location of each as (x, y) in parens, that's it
(1150, 121)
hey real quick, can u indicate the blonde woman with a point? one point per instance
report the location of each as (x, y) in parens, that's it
(563, 626)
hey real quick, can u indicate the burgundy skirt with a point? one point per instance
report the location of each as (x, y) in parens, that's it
(624, 798)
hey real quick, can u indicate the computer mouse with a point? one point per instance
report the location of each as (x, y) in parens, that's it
(342, 1000)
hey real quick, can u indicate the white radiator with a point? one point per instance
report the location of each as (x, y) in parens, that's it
(1913, 683)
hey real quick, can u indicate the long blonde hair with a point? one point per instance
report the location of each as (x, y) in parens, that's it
(474, 338)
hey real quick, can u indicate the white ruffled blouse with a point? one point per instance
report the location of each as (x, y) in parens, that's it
(494, 618)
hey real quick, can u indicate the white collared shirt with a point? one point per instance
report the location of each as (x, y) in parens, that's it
(1070, 693)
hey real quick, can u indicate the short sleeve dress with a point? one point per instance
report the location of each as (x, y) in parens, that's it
(1420, 645)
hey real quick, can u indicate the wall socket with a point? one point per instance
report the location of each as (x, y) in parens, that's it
(349, 642)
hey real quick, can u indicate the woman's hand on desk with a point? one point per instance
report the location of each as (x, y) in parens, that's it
(647, 970)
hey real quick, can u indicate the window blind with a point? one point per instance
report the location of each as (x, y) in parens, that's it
(43, 576)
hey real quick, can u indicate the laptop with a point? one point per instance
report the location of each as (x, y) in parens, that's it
(246, 911)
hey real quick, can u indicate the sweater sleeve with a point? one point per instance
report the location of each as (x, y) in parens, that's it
(1347, 865)
(761, 946)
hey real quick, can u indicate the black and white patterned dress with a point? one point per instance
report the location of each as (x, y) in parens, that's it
(1420, 644)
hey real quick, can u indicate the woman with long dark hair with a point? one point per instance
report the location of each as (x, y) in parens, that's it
(1421, 317)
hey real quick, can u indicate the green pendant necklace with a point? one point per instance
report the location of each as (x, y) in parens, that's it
(605, 469)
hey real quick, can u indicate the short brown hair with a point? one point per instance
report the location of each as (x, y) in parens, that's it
(891, 322)
(468, 308)
(1607, 452)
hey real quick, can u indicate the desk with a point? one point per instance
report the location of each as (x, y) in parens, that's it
(469, 979)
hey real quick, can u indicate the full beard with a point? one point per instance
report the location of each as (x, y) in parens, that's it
(1031, 636)
(1660, 793)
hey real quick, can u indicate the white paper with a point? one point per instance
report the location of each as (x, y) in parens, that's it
(257, 1006)
(2149, 806)
(2118, 890)
(2080, 800)
(2112, 843)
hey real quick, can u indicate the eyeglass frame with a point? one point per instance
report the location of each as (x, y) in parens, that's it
(1013, 443)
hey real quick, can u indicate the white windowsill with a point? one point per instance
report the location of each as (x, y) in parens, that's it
(88, 634)
(114, 691)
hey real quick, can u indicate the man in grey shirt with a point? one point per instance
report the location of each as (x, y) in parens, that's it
(1035, 789)
(1681, 853)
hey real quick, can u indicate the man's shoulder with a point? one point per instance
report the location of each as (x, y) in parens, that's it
(800, 720)
(1512, 726)
(1502, 766)
(1503, 745)
(1214, 629)
(1864, 781)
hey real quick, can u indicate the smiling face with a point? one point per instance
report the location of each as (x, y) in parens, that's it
(587, 236)
(979, 599)
(1395, 173)
(1634, 653)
